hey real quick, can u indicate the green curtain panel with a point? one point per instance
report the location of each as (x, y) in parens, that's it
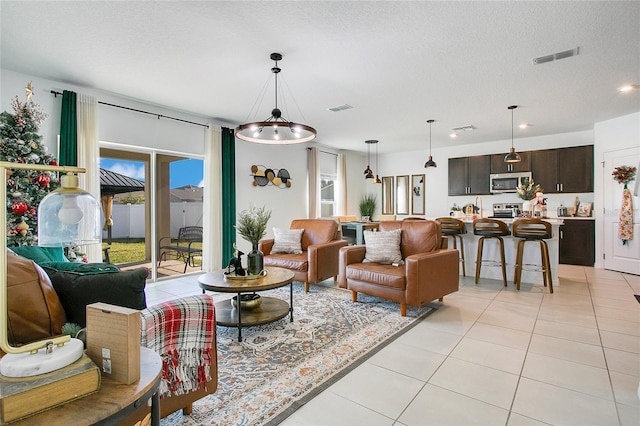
(228, 194)
(68, 130)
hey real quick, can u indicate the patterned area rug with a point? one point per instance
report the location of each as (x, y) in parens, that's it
(279, 366)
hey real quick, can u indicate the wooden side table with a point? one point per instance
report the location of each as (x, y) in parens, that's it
(113, 402)
(360, 227)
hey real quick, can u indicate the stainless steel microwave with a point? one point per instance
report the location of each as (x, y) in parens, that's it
(508, 182)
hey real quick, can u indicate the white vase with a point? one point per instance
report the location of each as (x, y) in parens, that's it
(526, 208)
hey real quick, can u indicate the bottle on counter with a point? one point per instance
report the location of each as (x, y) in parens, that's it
(540, 207)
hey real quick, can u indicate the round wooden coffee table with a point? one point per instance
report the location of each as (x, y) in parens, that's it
(271, 309)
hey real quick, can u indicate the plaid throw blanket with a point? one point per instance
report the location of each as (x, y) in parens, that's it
(182, 332)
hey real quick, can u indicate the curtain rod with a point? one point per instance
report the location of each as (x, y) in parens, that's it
(324, 152)
(55, 93)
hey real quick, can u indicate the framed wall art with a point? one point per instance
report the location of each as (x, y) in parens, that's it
(584, 210)
(417, 194)
(402, 194)
(387, 195)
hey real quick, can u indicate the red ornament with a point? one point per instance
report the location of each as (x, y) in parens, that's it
(43, 180)
(19, 207)
(53, 163)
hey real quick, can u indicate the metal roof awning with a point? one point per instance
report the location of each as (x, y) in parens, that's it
(112, 183)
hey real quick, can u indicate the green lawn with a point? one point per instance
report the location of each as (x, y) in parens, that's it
(126, 250)
(130, 250)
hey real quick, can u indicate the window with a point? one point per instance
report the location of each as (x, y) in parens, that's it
(327, 198)
(328, 177)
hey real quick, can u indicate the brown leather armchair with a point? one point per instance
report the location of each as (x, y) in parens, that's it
(318, 261)
(429, 271)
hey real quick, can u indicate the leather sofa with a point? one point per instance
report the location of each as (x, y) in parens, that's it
(320, 242)
(35, 312)
(429, 271)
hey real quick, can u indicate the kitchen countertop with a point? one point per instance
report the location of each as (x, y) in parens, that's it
(578, 218)
(551, 220)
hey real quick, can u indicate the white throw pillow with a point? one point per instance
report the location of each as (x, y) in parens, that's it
(287, 241)
(382, 247)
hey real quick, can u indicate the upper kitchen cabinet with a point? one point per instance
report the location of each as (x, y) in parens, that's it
(563, 169)
(499, 166)
(469, 175)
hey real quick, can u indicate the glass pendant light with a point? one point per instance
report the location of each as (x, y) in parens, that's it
(68, 216)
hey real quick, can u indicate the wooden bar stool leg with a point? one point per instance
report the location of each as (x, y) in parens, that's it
(479, 258)
(464, 272)
(518, 269)
(543, 262)
(502, 261)
(547, 265)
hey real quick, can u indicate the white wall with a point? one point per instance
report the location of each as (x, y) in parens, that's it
(437, 201)
(611, 135)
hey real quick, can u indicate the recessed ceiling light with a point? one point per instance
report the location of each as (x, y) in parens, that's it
(628, 88)
(525, 125)
(453, 135)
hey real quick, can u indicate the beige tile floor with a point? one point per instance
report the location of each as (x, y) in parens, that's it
(491, 355)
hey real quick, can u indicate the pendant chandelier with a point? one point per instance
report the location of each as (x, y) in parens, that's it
(377, 179)
(430, 164)
(368, 173)
(275, 129)
(512, 156)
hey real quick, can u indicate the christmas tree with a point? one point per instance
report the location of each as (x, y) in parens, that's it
(21, 143)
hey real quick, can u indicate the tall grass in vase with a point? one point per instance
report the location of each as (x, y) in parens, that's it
(252, 226)
(368, 204)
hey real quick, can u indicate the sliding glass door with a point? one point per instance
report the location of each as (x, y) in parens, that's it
(150, 196)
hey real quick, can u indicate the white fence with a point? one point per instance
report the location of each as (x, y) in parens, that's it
(128, 219)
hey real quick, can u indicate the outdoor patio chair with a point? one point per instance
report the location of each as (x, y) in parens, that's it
(183, 247)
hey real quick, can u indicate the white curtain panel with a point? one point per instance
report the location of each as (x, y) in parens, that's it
(212, 192)
(89, 156)
(341, 186)
(313, 178)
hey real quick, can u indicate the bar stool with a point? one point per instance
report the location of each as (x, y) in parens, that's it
(490, 228)
(454, 228)
(532, 230)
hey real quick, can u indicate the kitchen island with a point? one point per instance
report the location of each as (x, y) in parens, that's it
(491, 252)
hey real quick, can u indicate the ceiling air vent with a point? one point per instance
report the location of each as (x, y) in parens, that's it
(340, 107)
(556, 56)
(464, 128)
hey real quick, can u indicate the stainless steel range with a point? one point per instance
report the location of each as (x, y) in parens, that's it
(506, 210)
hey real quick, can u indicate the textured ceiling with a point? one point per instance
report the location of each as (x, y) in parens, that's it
(397, 63)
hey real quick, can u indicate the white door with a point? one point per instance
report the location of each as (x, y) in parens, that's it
(619, 257)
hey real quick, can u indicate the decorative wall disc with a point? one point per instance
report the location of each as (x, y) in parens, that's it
(263, 176)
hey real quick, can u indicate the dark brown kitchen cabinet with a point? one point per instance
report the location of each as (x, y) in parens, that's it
(577, 242)
(469, 175)
(499, 166)
(564, 169)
